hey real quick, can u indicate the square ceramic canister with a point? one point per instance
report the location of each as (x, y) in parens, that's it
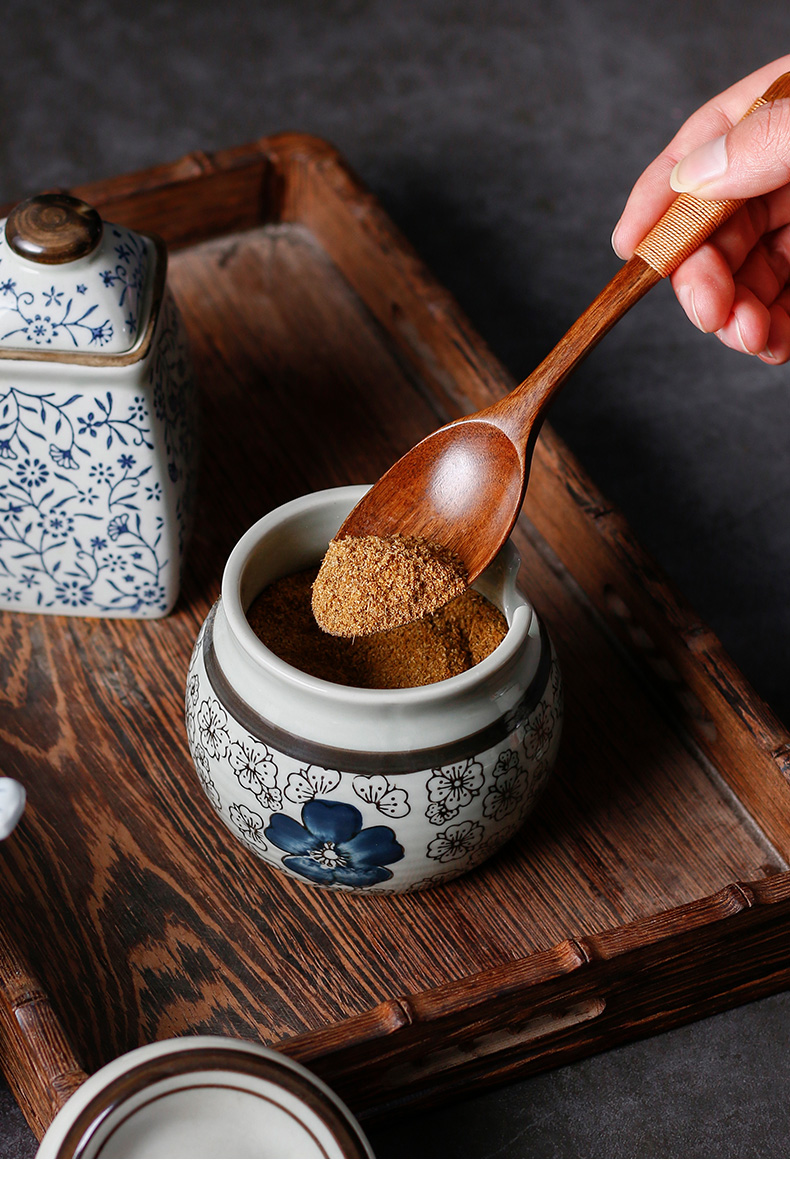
(97, 417)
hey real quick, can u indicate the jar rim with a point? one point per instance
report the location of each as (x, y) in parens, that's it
(518, 612)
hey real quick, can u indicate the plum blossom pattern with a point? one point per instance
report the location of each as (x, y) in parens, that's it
(495, 837)
(456, 841)
(212, 720)
(248, 823)
(508, 787)
(352, 831)
(331, 847)
(203, 769)
(429, 881)
(253, 766)
(311, 783)
(191, 703)
(97, 488)
(451, 788)
(380, 792)
(538, 734)
(541, 770)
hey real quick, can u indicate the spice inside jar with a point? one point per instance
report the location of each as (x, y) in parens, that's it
(455, 638)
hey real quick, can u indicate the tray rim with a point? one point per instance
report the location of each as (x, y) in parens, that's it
(290, 176)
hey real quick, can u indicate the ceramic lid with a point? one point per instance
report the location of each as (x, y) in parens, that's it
(204, 1097)
(70, 282)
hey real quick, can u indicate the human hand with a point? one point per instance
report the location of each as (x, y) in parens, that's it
(736, 284)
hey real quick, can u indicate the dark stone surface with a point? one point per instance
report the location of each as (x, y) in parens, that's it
(715, 1089)
(503, 138)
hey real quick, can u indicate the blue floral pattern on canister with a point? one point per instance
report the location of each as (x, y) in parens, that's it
(96, 486)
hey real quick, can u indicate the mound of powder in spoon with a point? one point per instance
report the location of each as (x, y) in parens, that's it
(369, 584)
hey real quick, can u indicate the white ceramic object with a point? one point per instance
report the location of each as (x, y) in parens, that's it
(204, 1098)
(355, 788)
(12, 805)
(97, 420)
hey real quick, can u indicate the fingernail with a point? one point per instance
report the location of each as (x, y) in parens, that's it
(614, 240)
(744, 347)
(686, 298)
(703, 165)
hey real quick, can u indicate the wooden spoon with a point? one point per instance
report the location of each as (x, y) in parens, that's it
(462, 487)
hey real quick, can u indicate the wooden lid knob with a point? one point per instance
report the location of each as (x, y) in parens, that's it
(53, 228)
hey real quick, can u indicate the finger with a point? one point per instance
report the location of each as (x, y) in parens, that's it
(651, 196)
(649, 199)
(748, 326)
(751, 159)
(783, 301)
(704, 283)
(705, 288)
(737, 237)
(758, 216)
(777, 347)
(739, 309)
(764, 274)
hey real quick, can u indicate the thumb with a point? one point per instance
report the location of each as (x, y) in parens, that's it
(751, 159)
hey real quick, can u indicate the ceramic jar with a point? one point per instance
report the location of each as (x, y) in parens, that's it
(207, 1098)
(361, 789)
(97, 417)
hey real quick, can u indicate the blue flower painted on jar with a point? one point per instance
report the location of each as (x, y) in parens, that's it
(331, 847)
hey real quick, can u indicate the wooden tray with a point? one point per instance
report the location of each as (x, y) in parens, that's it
(650, 888)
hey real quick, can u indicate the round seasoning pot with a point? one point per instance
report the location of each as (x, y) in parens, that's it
(204, 1097)
(358, 789)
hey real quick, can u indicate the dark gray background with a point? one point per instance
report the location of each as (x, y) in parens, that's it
(503, 137)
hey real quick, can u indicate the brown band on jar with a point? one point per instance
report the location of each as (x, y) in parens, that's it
(372, 762)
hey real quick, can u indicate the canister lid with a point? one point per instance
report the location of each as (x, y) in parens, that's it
(69, 282)
(204, 1097)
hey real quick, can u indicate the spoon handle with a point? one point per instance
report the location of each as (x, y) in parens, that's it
(684, 226)
(690, 220)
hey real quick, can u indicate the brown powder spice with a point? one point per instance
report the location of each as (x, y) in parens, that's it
(457, 637)
(368, 584)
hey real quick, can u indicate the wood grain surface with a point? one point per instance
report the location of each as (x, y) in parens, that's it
(324, 351)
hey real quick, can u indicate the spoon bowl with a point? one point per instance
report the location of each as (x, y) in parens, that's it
(439, 490)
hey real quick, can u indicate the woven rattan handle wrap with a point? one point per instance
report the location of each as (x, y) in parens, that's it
(690, 221)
